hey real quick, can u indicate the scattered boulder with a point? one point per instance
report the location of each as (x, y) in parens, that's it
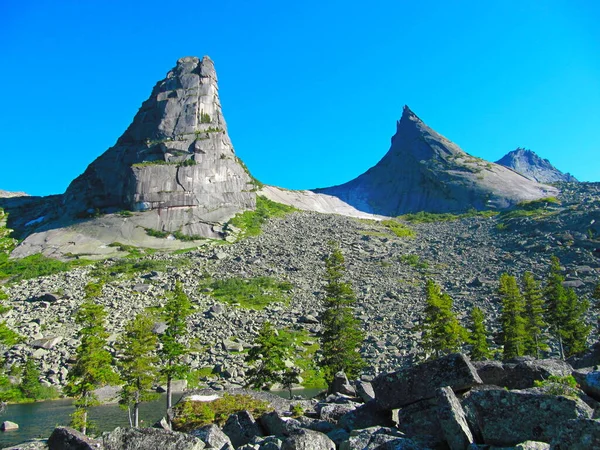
(581, 434)
(378, 438)
(589, 382)
(365, 391)
(367, 415)
(213, 437)
(65, 438)
(505, 418)
(307, 440)
(520, 373)
(275, 425)
(406, 386)
(341, 385)
(7, 425)
(452, 420)
(176, 386)
(241, 428)
(420, 421)
(147, 438)
(34, 444)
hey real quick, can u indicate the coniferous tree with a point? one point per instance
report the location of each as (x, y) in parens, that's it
(511, 320)
(478, 336)
(269, 353)
(441, 331)
(176, 311)
(30, 381)
(93, 368)
(138, 365)
(575, 330)
(596, 295)
(533, 315)
(555, 301)
(342, 333)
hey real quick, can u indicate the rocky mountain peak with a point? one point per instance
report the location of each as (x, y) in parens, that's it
(530, 165)
(175, 158)
(424, 171)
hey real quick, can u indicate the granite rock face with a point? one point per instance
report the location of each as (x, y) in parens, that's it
(424, 171)
(175, 158)
(530, 165)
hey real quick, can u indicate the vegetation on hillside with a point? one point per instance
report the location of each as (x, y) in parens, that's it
(250, 293)
(427, 217)
(250, 222)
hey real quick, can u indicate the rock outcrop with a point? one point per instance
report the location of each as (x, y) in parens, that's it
(533, 167)
(424, 171)
(176, 158)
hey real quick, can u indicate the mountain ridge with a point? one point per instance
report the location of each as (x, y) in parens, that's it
(527, 163)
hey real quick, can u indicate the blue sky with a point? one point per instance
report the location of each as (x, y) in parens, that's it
(311, 90)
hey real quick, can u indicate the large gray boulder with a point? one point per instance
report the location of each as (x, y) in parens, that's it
(377, 438)
(424, 171)
(307, 440)
(65, 438)
(367, 415)
(421, 421)
(213, 437)
(505, 418)
(520, 373)
(241, 428)
(147, 438)
(410, 385)
(582, 434)
(452, 420)
(589, 382)
(341, 385)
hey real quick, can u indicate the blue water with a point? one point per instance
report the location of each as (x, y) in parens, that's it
(37, 420)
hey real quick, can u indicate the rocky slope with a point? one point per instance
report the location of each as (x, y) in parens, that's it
(388, 273)
(424, 171)
(531, 166)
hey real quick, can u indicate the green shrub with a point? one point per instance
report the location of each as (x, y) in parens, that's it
(414, 260)
(297, 410)
(191, 415)
(250, 293)
(205, 117)
(125, 213)
(556, 385)
(250, 222)
(427, 217)
(398, 229)
(93, 290)
(157, 233)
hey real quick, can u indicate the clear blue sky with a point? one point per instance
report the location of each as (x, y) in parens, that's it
(311, 90)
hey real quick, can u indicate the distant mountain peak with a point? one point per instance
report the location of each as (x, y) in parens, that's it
(425, 171)
(532, 166)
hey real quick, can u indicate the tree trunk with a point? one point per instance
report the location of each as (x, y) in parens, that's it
(84, 421)
(169, 399)
(136, 414)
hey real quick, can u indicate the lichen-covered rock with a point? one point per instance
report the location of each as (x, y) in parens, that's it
(520, 373)
(65, 438)
(241, 428)
(452, 420)
(579, 434)
(213, 437)
(505, 418)
(420, 421)
(146, 438)
(367, 415)
(410, 385)
(332, 412)
(307, 440)
(341, 385)
(377, 438)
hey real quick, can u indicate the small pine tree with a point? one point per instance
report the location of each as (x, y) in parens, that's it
(511, 320)
(176, 311)
(596, 295)
(441, 331)
(575, 330)
(342, 333)
(93, 368)
(478, 336)
(30, 381)
(555, 296)
(137, 365)
(269, 353)
(533, 315)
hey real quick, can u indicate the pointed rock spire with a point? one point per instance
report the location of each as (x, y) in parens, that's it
(175, 154)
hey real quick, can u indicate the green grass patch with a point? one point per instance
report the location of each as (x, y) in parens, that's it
(415, 261)
(191, 415)
(176, 234)
(93, 290)
(556, 385)
(250, 222)
(400, 230)
(127, 268)
(133, 251)
(427, 217)
(35, 266)
(250, 293)
(305, 359)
